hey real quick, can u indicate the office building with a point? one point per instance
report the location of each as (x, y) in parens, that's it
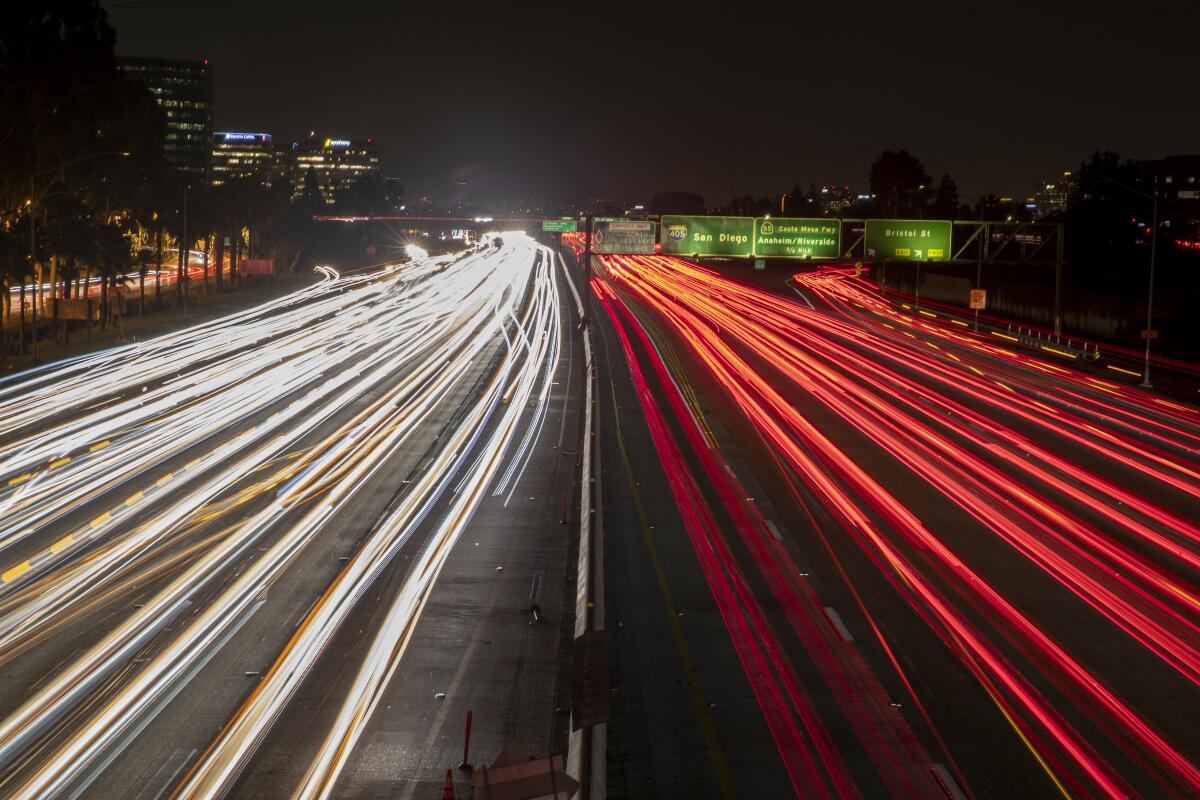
(337, 164)
(1053, 197)
(1176, 181)
(248, 155)
(834, 200)
(183, 90)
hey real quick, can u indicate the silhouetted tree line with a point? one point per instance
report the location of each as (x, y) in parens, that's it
(81, 153)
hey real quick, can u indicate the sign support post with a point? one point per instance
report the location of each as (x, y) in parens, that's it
(983, 240)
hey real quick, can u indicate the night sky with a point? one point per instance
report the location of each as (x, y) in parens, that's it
(622, 100)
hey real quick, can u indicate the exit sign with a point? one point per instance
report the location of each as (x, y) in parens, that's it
(559, 225)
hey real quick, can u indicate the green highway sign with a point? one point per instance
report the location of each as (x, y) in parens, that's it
(790, 237)
(630, 236)
(708, 236)
(559, 226)
(908, 239)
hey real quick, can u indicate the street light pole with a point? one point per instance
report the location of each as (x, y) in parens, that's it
(185, 254)
(1153, 198)
(1150, 293)
(33, 267)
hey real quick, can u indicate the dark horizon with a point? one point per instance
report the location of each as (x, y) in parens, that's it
(543, 100)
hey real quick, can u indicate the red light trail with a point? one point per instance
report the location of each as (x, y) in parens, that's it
(1046, 466)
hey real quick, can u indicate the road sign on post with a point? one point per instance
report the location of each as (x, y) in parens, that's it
(708, 236)
(628, 236)
(559, 225)
(792, 237)
(978, 299)
(1149, 334)
(908, 239)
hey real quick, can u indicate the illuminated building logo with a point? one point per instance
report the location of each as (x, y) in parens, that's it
(677, 233)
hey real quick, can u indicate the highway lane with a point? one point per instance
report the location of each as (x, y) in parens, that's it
(308, 420)
(476, 643)
(1009, 543)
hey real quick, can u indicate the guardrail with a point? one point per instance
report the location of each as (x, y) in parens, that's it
(587, 747)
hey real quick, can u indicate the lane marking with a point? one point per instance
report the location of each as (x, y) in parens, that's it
(98, 445)
(62, 544)
(102, 519)
(836, 620)
(60, 462)
(19, 478)
(702, 708)
(15, 572)
(1058, 352)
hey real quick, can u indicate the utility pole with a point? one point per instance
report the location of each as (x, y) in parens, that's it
(1152, 196)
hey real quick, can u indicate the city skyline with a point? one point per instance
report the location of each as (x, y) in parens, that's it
(1034, 92)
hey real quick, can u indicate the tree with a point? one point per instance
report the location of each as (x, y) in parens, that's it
(1104, 231)
(989, 207)
(62, 93)
(945, 202)
(899, 182)
(12, 269)
(311, 200)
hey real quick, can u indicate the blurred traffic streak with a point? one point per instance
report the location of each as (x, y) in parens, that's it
(1044, 491)
(206, 461)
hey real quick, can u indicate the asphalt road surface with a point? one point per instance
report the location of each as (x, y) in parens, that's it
(860, 550)
(281, 553)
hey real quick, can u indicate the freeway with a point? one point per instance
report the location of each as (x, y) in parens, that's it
(204, 531)
(904, 558)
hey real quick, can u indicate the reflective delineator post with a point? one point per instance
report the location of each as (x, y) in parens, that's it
(466, 762)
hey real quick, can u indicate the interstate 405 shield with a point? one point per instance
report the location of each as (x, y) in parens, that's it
(708, 236)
